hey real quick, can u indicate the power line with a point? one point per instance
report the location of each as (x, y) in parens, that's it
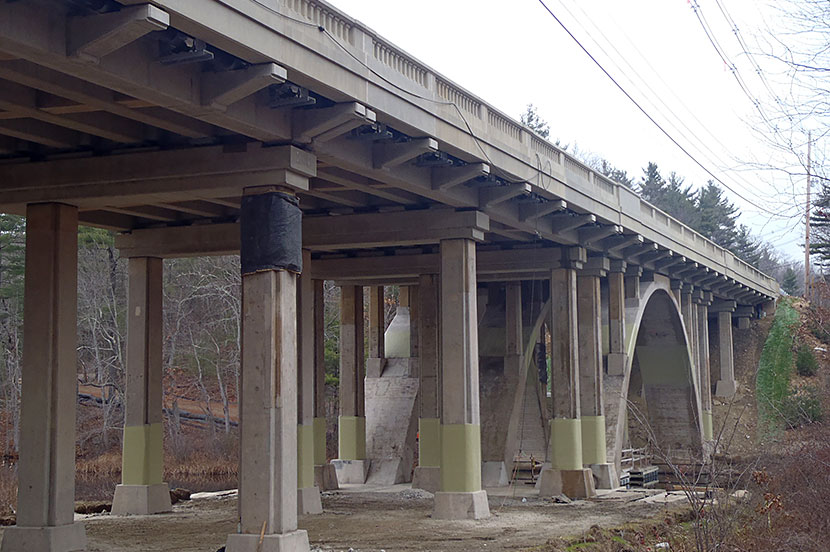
(650, 118)
(701, 145)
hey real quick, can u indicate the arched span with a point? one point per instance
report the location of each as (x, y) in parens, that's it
(660, 360)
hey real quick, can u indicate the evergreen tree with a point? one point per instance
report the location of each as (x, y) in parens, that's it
(790, 282)
(617, 175)
(679, 201)
(531, 119)
(820, 228)
(653, 186)
(716, 215)
(746, 247)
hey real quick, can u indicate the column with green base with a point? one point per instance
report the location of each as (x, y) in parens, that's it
(141, 490)
(703, 300)
(270, 261)
(460, 495)
(325, 476)
(308, 494)
(427, 474)
(566, 474)
(351, 463)
(589, 338)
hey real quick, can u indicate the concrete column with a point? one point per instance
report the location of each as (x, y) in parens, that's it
(428, 473)
(351, 465)
(414, 340)
(308, 494)
(376, 360)
(677, 290)
(461, 495)
(589, 346)
(703, 368)
(617, 357)
(566, 474)
(142, 490)
(46, 468)
(687, 310)
(726, 385)
(632, 282)
(268, 394)
(325, 477)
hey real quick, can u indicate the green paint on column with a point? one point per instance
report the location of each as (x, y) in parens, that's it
(142, 460)
(460, 458)
(351, 438)
(708, 431)
(319, 441)
(429, 442)
(566, 444)
(593, 440)
(305, 456)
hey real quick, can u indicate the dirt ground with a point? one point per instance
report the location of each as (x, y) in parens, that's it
(390, 519)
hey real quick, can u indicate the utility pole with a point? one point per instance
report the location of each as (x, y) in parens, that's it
(807, 290)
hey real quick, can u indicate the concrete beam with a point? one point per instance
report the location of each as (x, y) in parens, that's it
(564, 222)
(329, 122)
(94, 36)
(493, 195)
(447, 177)
(535, 209)
(154, 177)
(326, 233)
(221, 89)
(386, 155)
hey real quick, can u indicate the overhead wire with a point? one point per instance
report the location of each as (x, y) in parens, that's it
(654, 121)
(701, 145)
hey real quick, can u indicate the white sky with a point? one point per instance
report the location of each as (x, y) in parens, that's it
(513, 53)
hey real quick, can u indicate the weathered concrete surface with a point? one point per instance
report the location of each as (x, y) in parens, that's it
(391, 423)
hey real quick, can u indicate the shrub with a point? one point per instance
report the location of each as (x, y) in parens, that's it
(802, 407)
(806, 363)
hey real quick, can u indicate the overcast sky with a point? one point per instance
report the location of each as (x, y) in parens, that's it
(514, 53)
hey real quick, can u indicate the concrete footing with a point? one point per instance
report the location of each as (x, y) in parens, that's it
(726, 388)
(61, 538)
(351, 471)
(427, 478)
(295, 541)
(605, 476)
(308, 501)
(472, 505)
(141, 499)
(494, 474)
(616, 363)
(571, 483)
(325, 478)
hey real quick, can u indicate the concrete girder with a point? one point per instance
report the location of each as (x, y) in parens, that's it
(341, 232)
(21, 101)
(97, 98)
(95, 36)
(493, 195)
(588, 236)
(613, 244)
(386, 155)
(41, 36)
(447, 177)
(154, 176)
(319, 125)
(533, 210)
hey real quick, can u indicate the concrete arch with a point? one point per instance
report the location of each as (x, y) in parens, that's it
(657, 347)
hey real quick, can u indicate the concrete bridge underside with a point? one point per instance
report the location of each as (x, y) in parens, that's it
(291, 134)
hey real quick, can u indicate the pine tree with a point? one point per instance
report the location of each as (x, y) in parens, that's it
(617, 175)
(716, 215)
(679, 201)
(820, 228)
(790, 282)
(531, 119)
(653, 186)
(746, 247)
